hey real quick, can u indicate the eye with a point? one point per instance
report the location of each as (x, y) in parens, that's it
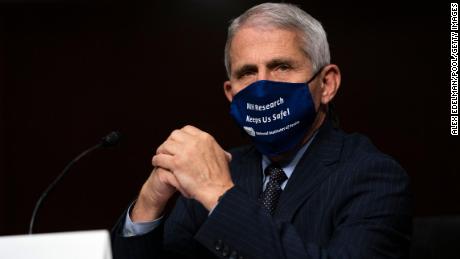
(245, 74)
(283, 67)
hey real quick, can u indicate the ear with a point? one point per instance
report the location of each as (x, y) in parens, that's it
(330, 83)
(228, 90)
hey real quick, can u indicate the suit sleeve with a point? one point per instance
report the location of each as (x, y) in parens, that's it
(173, 238)
(372, 219)
(144, 246)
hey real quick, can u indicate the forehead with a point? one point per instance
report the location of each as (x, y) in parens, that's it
(260, 44)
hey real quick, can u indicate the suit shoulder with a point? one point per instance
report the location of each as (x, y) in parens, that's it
(360, 151)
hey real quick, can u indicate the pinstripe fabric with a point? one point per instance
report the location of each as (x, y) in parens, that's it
(345, 199)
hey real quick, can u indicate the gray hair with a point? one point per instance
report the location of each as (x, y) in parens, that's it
(285, 16)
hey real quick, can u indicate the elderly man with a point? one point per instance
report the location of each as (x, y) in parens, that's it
(304, 189)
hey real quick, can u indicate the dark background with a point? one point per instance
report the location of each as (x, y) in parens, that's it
(70, 72)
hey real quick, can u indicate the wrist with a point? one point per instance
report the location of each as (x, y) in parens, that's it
(211, 198)
(145, 210)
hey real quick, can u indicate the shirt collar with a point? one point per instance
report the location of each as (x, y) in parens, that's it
(289, 166)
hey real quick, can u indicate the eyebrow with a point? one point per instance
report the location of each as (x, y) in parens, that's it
(280, 61)
(245, 68)
(270, 64)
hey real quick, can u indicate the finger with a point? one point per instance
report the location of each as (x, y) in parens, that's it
(167, 177)
(163, 160)
(228, 156)
(178, 135)
(172, 180)
(169, 147)
(194, 131)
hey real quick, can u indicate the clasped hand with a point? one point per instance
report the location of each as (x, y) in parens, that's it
(190, 161)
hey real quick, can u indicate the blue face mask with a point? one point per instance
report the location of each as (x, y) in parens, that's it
(276, 115)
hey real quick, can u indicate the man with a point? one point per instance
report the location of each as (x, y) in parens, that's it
(304, 189)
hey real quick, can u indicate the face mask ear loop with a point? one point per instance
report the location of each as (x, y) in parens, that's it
(315, 75)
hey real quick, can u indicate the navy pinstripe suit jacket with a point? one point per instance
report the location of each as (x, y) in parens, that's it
(345, 199)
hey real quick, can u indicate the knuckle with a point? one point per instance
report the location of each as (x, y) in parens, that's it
(188, 127)
(205, 135)
(174, 133)
(208, 137)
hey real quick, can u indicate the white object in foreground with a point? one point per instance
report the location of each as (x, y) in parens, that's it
(93, 244)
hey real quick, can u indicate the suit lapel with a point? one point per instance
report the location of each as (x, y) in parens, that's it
(248, 173)
(311, 170)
